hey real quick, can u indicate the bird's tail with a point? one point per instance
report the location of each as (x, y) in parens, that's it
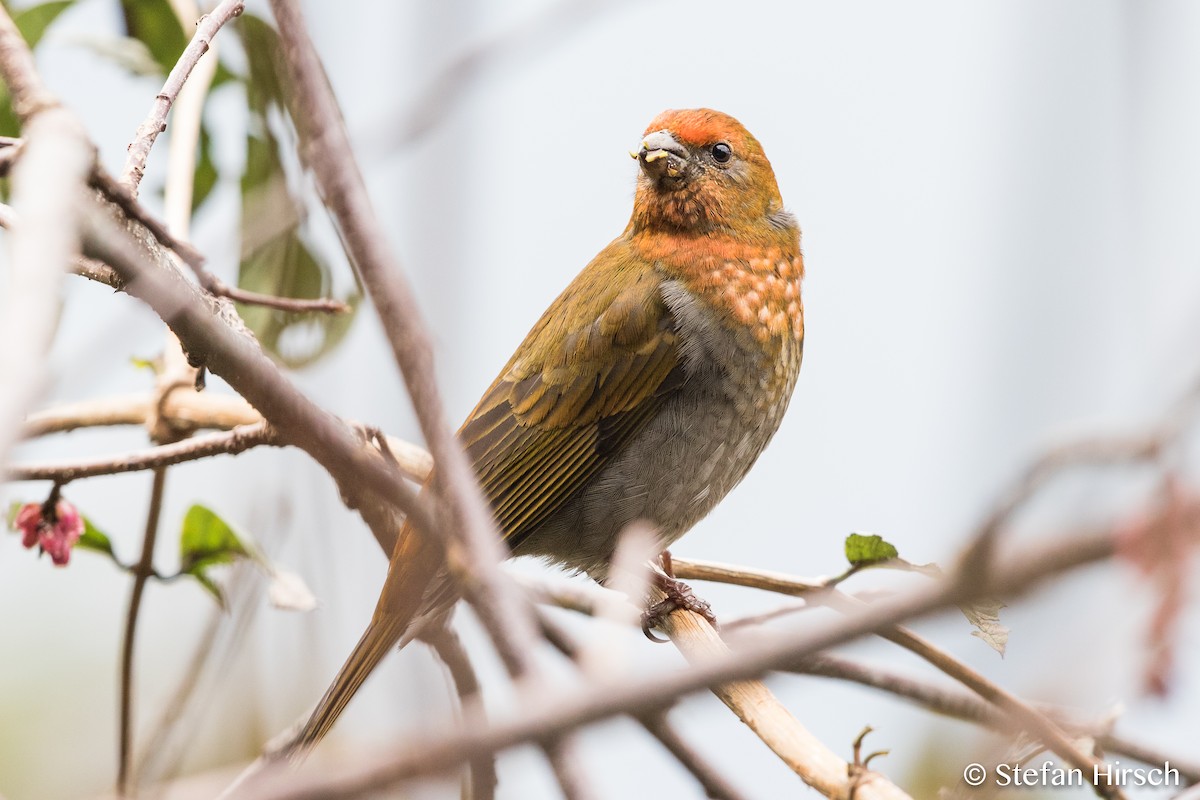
(375, 643)
(410, 591)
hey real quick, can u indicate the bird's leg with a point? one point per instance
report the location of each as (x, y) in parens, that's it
(678, 596)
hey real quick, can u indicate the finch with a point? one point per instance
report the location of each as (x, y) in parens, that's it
(646, 391)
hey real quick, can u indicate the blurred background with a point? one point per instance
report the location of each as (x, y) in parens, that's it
(999, 205)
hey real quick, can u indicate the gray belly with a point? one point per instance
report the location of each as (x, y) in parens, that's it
(685, 460)
(679, 467)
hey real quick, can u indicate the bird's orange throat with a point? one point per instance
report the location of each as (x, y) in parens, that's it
(691, 207)
(756, 283)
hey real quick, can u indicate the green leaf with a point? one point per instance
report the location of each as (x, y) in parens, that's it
(160, 35)
(863, 550)
(151, 364)
(223, 76)
(32, 22)
(154, 24)
(95, 539)
(206, 540)
(277, 258)
(286, 266)
(205, 177)
(985, 616)
(13, 510)
(266, 79)
(126, 52)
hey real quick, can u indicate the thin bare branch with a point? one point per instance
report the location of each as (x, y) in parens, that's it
(545, 28)
(156, 121)
(185, 412)
(187, 120)
(181, 161)
(29, 94)
(189, 411)
(1011, 575)
(121, 195)
(755, 619)
(1023, 714)
(953, 702)
(500, 607)
(750, 577)
(126, 199)
(714, 784)
(96, 271)
(324, 305)
(213, 336)
(1091, 452)
(143, 571)
(102, 273)
(449, 649)
(948, 700)
(656, 722)
(756, 706)
(85, 267)
(562, 751)
(231, 442)
(1030, 719)
(573, 596)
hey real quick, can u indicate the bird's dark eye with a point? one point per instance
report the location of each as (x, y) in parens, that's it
(721, 152)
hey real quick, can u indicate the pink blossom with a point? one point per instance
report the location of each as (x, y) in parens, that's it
(57, 537)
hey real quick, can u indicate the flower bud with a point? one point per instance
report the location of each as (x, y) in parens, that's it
(56, 535)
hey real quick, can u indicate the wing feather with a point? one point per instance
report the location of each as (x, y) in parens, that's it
(588, 377)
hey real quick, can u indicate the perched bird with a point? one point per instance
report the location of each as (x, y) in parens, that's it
(645, 392)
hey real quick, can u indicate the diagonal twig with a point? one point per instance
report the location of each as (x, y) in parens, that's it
(964, 705)
(655, 722)
(297, 305)
(503, 610)
(127, 200)
(1140, 447)
(156, 121)
(757, 707)
(326, 148)
(215, 339)
(1033, 721)
(1023, 714)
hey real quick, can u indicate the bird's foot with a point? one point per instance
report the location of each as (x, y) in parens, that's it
(679, 596)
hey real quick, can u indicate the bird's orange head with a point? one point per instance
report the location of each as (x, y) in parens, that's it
(708, 213)
(701, 172)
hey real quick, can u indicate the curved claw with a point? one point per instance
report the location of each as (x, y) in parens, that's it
(648, 629)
